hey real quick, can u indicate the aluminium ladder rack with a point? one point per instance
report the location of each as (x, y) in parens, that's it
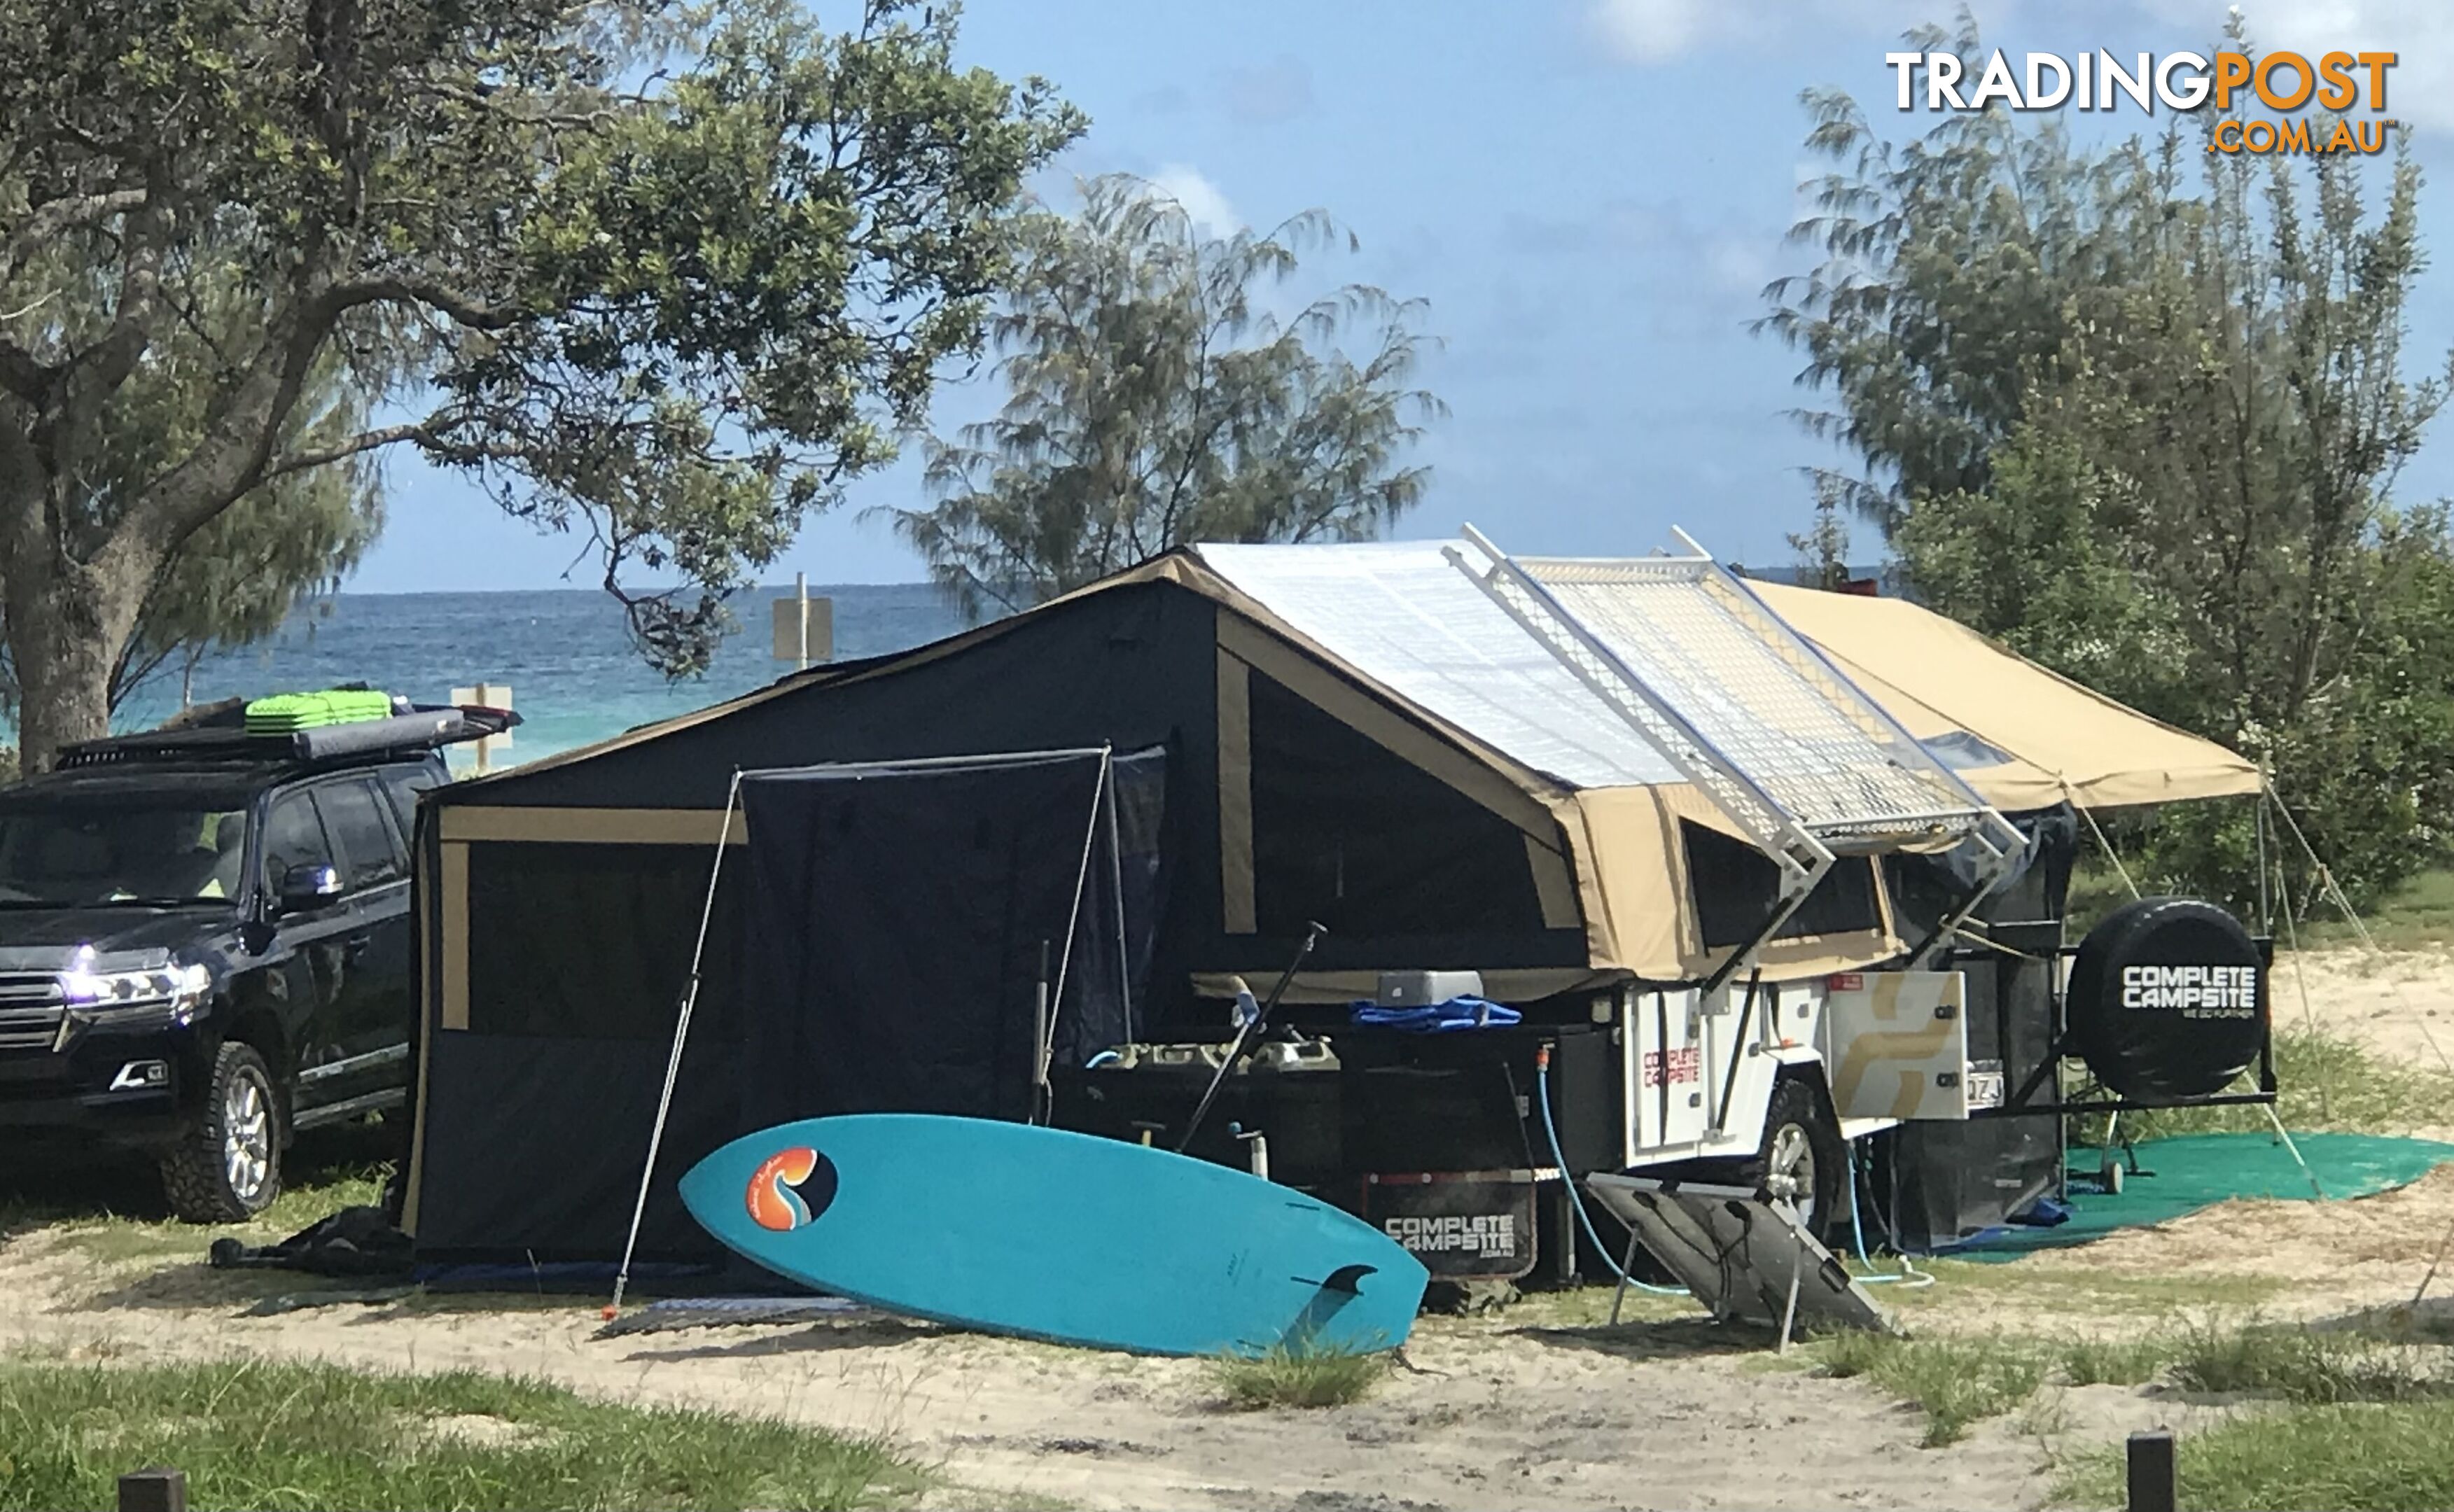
(1744, 708)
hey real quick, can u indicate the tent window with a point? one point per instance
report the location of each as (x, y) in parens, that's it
(1736, 885)
(1346, 833)
(594, 941)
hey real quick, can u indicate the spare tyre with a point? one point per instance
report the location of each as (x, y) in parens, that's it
(2167, 999)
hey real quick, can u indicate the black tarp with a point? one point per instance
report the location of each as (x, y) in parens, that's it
(902, 921)
(1950, 1179)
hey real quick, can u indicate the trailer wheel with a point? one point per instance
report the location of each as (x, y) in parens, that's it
(1802, 1159)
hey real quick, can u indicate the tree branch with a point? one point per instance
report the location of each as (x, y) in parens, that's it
(458, 308)
(20, 374)
(322, 455)
(116, 357)
(50, 219)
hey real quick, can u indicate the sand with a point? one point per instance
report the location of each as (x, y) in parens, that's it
(1671, 1412)
(1536, 1405)
(2399, 1004)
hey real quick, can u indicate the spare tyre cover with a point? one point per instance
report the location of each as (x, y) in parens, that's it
(2167, 999)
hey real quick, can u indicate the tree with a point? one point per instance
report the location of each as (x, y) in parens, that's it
(666, 275)
(1824, 550)
(238, 578)
(237, 581)
(1153, 401)
(2142, 420)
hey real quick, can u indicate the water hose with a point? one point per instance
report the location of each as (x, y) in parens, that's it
(1576, 1199)
(1909, 1274)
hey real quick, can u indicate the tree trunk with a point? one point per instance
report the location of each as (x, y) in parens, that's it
(68, 622)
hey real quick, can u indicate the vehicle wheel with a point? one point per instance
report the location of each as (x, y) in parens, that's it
(1802, 1159)
(226, 1166)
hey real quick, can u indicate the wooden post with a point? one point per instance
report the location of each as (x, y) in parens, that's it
(2155, 1481)
(159, 1489)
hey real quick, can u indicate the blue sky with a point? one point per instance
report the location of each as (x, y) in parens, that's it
(1589, 194)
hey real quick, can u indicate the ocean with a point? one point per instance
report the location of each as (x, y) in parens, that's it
(574, 677)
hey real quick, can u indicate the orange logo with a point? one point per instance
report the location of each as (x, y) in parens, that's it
(772, 1203)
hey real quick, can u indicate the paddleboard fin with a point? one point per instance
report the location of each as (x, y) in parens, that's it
(1338, 1288)
(1348, 1278)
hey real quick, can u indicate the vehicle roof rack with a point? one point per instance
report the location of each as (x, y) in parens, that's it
(220, 738)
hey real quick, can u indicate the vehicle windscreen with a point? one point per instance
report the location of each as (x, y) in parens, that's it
(131, 849)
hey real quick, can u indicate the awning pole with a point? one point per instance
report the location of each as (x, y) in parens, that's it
(1116, 884)
(1046, 1049)
(674, 1061)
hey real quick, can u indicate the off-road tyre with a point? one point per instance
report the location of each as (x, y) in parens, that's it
(1797, 1118)
(226, 1167)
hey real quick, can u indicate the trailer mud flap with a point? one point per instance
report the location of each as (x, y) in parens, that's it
(1463, 1225)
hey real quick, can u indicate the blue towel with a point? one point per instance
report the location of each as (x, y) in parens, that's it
(1457, 1013)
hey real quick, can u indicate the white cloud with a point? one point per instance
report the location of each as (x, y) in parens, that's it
(1653, 30)
(2420, 85)
(1204, 204)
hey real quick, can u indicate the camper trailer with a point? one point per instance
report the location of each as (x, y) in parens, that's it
(1748, 877)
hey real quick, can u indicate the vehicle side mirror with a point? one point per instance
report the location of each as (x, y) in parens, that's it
(309, 887)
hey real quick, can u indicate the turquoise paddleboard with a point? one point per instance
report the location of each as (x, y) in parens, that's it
(1014, 1229)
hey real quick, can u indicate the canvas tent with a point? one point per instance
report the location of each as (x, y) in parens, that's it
(1369, 735)
(2058, 742)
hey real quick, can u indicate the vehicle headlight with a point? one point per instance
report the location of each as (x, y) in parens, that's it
(178, 991)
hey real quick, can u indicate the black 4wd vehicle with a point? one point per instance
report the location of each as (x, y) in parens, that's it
(204, 942)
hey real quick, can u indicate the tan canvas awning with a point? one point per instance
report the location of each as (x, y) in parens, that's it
(2066, 741)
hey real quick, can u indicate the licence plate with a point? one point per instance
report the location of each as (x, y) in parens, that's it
(1984, 1089)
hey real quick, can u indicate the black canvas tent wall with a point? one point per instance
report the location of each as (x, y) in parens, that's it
(558, 902)
(922, 938)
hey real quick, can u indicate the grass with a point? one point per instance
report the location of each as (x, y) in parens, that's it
(2297, 1364)
(112, 1211)
(1956, 1381)
(2059, 1281)
(2417, 915)
(2355, 1458)
(1962, 1380)
(1285, 1377)
(265, 1435)
(2132, 1361)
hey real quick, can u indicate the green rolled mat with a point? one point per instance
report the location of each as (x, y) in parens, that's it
(288, 713)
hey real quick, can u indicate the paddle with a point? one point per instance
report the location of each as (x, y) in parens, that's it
(1251, 1031)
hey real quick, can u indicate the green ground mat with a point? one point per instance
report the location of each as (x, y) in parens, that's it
(2193, 1171)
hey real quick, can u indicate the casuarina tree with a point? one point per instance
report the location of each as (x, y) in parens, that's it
(1154, 398)
(2141, 411)
(663, 276)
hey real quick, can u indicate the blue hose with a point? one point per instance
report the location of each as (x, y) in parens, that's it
(1909, 1273)
(1542, 1096)
(1102, 1058)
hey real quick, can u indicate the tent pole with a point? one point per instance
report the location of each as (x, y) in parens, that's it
(1046, 1049)
(1040, 1039)
(1117, 886)
(674, 1061)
